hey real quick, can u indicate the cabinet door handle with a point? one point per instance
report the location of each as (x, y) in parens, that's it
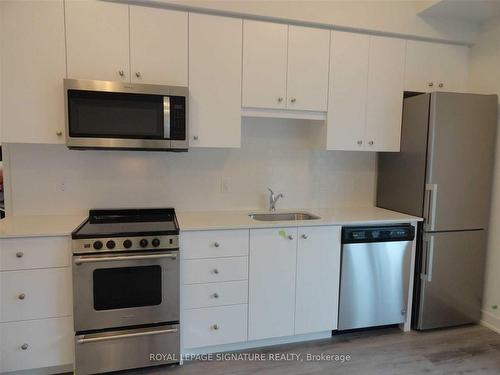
(290, 237)
(441, 85)
(216, 244)
(293, 100)
(280, 99)
(19, 254)
(430, 84)
(195, 137)
(215, 327)
(121, 73)
(24, 346)
(138, 74)
(215, 295)
(370, 143)
(360, 142)
(58, 133)
(21, 296)
(305, 237)
(216, 271)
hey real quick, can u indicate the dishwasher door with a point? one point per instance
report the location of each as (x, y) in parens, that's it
(374, 284)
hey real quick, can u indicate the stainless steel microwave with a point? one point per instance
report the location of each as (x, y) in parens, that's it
(125, 116)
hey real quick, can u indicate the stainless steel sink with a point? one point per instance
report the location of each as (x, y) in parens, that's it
(288, 216)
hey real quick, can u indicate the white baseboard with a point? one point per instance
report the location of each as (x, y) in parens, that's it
(490, 321)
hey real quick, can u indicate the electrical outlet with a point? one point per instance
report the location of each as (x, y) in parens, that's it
(225, 185)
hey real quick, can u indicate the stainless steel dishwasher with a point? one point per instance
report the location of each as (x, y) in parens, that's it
(375, 275)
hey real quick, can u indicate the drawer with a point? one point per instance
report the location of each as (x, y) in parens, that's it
(215, 294)
(35, 252)
(35, 294)
(198, 271)
(215, 326)
(214, 243)
(36, 344)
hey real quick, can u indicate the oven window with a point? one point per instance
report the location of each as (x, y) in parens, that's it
(115, 115)
(120, 288)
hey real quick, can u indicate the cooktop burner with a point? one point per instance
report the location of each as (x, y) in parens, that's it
(127, 230)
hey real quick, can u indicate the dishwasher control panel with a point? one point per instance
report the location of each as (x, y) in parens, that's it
(404, 232)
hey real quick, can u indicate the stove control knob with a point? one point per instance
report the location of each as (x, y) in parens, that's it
(98, 245)
(127, 244)
(155, 242)
(144, 242)
(110, 244)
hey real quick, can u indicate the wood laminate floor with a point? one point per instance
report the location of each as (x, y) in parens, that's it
(463, 350)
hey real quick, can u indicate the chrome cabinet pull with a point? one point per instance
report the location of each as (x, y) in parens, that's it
(293, 100)
(360, 142)
(441, 85)
(305, 237)
(216, 271)
(19, 254)
(215, 295)
(216, 327)
(81, 260)
(195, 137)
(85, 340)
(121, 73)
(290, 237)
(138, 74)
(58, 133)
(430, 84)
(370, 143)
(24, 346)
(216, 244)
(280, 99)
(21, 296)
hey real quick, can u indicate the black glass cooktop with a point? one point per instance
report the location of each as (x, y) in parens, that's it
(128, 222)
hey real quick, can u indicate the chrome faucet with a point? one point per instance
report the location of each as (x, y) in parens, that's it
(273, 198)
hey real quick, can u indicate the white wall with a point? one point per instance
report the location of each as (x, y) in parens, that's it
(276, 153)
(388, 16)
(485, 78)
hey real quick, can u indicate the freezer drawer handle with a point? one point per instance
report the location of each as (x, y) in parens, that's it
(81, 260)
(429, 257)
(84, 340)
(430, 206)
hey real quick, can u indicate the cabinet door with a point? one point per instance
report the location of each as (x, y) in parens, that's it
(347, 99)
(215, 47)
(435, 67)
(385, 93)
(264, 64)
(158, 46)
(308, 60)
(97, 40)
(318, 275)
(271, 291)
(452, 68)
(32, 71)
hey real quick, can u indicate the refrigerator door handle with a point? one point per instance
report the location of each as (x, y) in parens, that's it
(428, 259)
(430, 206)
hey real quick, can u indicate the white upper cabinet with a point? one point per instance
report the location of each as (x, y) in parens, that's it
(285, 67)
(366, 92)
(347, 99)
(33, 67)
(308, 57)
(436, 67)
(318, 279)
(97, 40)
(385, 94)
(215, 48)
(264, 64)
(158, 46)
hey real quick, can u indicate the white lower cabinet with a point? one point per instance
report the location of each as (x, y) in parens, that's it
(36, 304)
(271, 291)
(215, 270)
(36, 344)
(318, 278)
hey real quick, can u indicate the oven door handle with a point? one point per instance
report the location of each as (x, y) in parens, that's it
(81, 260)
(84, 340)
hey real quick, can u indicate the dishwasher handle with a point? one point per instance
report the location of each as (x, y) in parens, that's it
(403, 232)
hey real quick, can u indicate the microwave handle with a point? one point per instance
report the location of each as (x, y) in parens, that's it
(81, 260)
(166, 117)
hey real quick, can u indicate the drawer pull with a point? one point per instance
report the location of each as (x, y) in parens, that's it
(24, 346)
(216, 271)
(215, 295)
(215, 327)
(21, 296)
(19, 254)
(305, 237)
(85, 340)
(290, 237)
(216, 244)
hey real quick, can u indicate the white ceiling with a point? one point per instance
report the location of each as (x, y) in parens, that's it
(476, 11)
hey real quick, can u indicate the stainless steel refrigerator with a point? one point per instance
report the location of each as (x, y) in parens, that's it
(444, 174)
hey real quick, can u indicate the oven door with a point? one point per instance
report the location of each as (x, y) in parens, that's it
(125, 290)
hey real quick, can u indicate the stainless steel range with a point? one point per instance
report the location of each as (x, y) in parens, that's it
(126, 290)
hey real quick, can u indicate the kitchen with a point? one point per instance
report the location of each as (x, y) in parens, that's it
(317, 122)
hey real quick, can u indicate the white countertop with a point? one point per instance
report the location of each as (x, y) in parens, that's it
(63, 225)
(39, 225)
(335, 216)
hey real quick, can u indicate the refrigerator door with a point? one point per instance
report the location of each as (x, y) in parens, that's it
(451, 279)
(461, 148)
(401, 176)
